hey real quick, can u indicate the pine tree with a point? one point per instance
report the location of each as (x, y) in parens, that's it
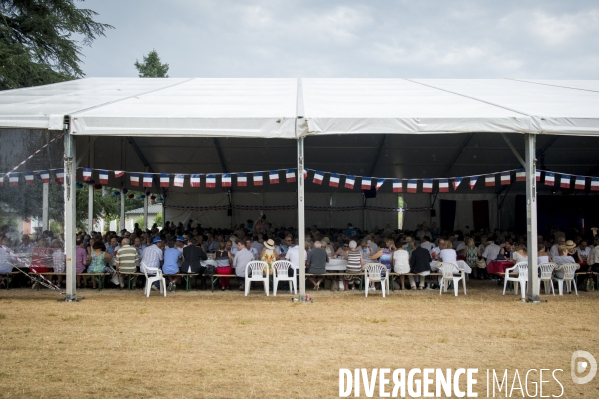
(151, 66)
(36, 41)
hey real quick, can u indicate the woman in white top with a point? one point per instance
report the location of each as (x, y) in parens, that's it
(449, 255)
(543, 256)
(401, 264)
(519, 254)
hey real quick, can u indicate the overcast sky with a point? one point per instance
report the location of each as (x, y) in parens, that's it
(411, 39)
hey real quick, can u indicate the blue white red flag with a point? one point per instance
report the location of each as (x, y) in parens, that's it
(226, 180)
(444, 186)
(273, 176)
(87, 174)
(103, 176)
(165, 180)
(397, 186)
(412, 186)
(334, 180)
(427, 186)
(134, 178)
(350, 180)
(194, 181)
(318, 176)
(489, 180)
(521, 175)
(242, 179)
(580, 183)
(147, 180)
(119, 173)
(549, 178)
(29, 178)
(379, 183)
(45, 176)
(290, 175)
(594, 183)
(258, 181)
(472, 182)
(13, 180)
(456, 183)
(59, 176)
(505, 178)
(564, 181)
(179, 181)
(366, 183)
(210, 181)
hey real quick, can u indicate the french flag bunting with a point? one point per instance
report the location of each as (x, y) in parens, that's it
(580, 183)
(165, 180)
(444, 186)
(119, 173)
(242, 179)
(366, 183)
(147, 180)
(273, 176)
(456, 183)
(59, 176)
(134, 178)
(489, 180)
(472, 182)
(103, 176)
(258, 179)
(45, 176)
(505, 178)
(379, 183)
(334, 180)
(427, 186)
(549, 178)
(350, 180)
(412, 186)
(305, 174)
(194, 181)
(318, 176)
(397, 186)
(521, 175)
(2, 180)
(13, 180)
(29, 178)
(564, 181)
(210, 181)
(179, 181)
(87, 174)
(290, 175)
(594, 183)
(226, 180)
(538, 175)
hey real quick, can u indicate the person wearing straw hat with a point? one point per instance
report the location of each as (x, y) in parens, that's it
(573, 252)
(268, 254)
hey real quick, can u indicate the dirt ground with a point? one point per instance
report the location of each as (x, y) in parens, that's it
(223, 345)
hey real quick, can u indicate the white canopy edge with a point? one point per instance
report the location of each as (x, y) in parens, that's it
(268, 108)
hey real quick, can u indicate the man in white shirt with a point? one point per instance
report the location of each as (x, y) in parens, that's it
(426, 244)
(436, 251)
(256, 245)
(292, 256)
(243, 256)
(254, 251)
(491, 251)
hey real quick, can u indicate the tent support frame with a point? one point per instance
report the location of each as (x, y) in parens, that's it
(70, 196)
(301, 228)
(532, 289)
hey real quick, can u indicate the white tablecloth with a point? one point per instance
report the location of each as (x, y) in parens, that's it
(461, 264)
(336, 265)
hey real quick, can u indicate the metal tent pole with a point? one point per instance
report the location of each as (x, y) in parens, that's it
(146, 211)
(301, 228)
(122, 220)
(70, 195)
(532, 290)
(90, 192)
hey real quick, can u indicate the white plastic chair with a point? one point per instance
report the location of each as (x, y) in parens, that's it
(547, 277)
(150, 279)
(447, 270)
(376, 272)
(259, 271)
(522, 278)
(569, 274)
(281, 273)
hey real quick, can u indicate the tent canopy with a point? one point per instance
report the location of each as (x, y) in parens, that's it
(268, 108)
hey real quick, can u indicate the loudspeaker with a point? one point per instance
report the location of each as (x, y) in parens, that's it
(433, 213)
(370, 193)
(229, 212)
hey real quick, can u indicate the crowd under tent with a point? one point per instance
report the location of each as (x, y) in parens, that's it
(383, 128)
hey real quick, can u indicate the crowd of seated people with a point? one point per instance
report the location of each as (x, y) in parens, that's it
(184, 248)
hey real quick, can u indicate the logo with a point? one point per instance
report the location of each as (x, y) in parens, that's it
(580, 366)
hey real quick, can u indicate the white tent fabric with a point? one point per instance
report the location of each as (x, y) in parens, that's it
(267, 108)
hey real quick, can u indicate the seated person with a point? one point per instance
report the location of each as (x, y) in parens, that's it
(562, 259)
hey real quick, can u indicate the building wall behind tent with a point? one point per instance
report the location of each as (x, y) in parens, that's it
(367, 219)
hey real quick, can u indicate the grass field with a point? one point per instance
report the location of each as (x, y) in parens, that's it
(224, 345)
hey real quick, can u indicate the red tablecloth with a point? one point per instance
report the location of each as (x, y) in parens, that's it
(498, 266)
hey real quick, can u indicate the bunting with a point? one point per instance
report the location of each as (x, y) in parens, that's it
(273, 176)
(350, 180)
(366, 183)
(521, 175)
(87, 174)
(318, 177)
(397, 186)
(59, 176)
(194, 181)
(258, 179)
(13, 180)
(103, 176)
(505, 178)
(594, 183)
(165, 180)
(379, 183)
(134, 179)
(179, 181)
(210, 181)
(489, 180)
(119, 173)
(549, 179)
(147, 180)
(226, 180)
(242, 179)
(456, 183)
(564, 181)
(290, 175)
(29, 178)
(45, 176)
(472, 182)
(334, 180)
(580, 183)
(427, 186)
(443, 186)
(537, 175)
(412, 186)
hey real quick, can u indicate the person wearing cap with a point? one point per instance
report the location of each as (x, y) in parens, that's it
(152, 256)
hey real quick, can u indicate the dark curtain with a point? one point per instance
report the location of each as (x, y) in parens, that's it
(480, 214)
(447, 217)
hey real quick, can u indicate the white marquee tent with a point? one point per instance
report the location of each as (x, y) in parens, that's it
(359, 126)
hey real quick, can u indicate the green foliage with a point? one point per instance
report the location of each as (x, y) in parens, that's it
(139, 221)
(37, 41)
(109, 206)
(158, 219)
(151, 67)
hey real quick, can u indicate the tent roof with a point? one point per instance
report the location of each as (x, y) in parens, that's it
(268, 108)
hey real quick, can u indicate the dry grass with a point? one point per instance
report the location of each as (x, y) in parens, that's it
(224, 345)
